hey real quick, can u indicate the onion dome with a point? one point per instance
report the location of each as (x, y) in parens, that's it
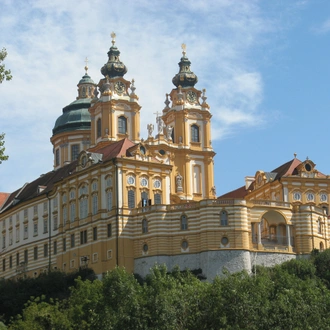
(114, 67)
(76, 115)
(185, 77)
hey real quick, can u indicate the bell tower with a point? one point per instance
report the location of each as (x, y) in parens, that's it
(187, 125)
(115, 115)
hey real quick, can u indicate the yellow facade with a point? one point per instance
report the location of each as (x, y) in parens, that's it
(115, 199)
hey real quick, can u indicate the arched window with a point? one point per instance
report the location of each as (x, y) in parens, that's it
(321, 247)
(144, 226)
(131, 199)
(184, 222)
(98, 128)
(223, 218)
(122, 125)
(194, 133)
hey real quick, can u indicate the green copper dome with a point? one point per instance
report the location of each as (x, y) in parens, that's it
(86, 79)
(75, 117)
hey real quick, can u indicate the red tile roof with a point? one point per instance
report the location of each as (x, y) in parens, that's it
(289, 168)
(3, 198)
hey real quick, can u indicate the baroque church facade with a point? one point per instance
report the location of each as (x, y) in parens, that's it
(114, 199)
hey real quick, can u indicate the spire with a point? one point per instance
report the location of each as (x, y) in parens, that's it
(114, 67)
(185, 77)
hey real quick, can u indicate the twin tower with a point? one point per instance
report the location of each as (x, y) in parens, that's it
(108, 112)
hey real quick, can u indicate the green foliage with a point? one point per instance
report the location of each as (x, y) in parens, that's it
(3, 157)
(4, 74)
(322, 265)
(287, 296)
(14, 294)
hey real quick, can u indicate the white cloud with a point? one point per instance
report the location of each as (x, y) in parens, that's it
(47, 42)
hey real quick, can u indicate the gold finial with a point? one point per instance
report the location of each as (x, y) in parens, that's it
(295, 155)
(184, 48)
(113, 36)
(86, 66)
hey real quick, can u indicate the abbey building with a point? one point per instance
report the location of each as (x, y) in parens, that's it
(114, 198)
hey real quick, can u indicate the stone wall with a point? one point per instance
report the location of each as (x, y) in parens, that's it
(213, 263)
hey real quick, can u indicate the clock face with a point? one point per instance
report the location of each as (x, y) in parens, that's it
(191, 97)
(119, 87)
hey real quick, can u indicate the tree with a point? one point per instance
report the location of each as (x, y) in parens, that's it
(4, 74)
(3, 157)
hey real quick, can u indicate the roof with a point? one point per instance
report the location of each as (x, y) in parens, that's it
(286, 169)
(45, 183)
(3, 197)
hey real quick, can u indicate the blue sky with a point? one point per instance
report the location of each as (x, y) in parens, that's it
(265, 66)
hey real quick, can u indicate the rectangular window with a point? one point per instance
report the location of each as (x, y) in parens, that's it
(25, 213)
(11, 262)
(95, 204)
(95, 234)
(83, 237)
(4, 242)
(45, 226)
(109, 230)
(17, 234)
(26, 256)
(17, 259)
(45, 250)
(64, 244)
(55, 203)
(74, 151)
(57, 157)
(35, 253)
(55, 247)
(35, 209)
(72, 212)
(35, 229)
(131, 199)
(157, 198)
(10, 238)
(72, 240)
(26, 233)
(45, 207)
(65, 215)
(83, 203)
(109, 200)
(55, 223)
(3, 264)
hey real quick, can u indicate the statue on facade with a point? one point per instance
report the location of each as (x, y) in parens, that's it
(178, 182)
(150, 128)
(169, 130)
(160, 124)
